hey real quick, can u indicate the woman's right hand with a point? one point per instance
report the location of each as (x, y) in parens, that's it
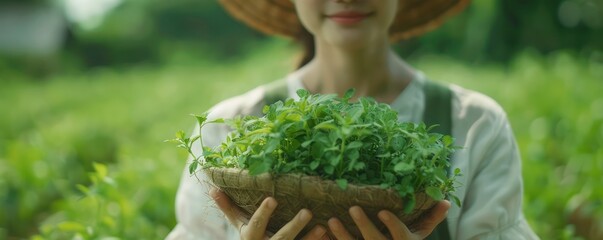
(255, 228)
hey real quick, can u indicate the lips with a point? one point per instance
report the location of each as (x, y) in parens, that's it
(348, 17)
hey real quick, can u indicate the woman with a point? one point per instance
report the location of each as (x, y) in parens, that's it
(348, 46)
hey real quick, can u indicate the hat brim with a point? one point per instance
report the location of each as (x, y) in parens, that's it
(278, 17)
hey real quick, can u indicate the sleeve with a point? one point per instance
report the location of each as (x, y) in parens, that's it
(492, 207)
(196, 213)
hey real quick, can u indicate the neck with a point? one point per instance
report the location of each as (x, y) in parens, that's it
(377, 71)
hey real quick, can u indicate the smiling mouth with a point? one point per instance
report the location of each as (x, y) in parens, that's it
(348, 17)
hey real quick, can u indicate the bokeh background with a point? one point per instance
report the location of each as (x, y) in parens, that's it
(89, 89)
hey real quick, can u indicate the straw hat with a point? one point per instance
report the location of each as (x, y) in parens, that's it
(278, 17)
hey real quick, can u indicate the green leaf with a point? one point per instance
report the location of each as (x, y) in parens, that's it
(294, 117)
(349, 94)
(342, 183)
(329, 169)
(441, 174)
(180, 135)
(302, 93)
(207, 151)
(447, 140)
(456, 200)
(174, 140)
(359, 166)
(355, 144)
(307, 143)
(201, 118)
(389, 177)
(326, 125)
(317, 151)
(217, 120)
(409, 204)
(404, 167)
(434, 193)
(259, 167)
(354, 113)
(193, 139)
(193, 167)
(353, 155)
(334, 160)
(346, 130)
(314, 164)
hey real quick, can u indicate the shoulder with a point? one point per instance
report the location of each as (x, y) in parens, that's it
(472, 107)
(253, 101)
(249, 103)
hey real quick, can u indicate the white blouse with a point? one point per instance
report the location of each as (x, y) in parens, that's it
(490, 188)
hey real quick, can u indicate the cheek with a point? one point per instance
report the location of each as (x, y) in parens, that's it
(391, 10)
(309, 17)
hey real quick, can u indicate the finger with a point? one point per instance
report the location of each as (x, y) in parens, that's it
(317, 232)
(436, 215)
(365, 225)
(231, 211)
(397, 228)
(256, 228)
(339, 230)
(293, 227)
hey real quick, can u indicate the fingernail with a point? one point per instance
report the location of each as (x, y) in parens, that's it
(304, 215)
(355, 212)
(213, 192)
(319, 231)
(384, 216)
(270, 202)
(333, 224)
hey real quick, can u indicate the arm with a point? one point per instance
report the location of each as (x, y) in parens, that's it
(491, 186)
(197, 216)
(492, 207)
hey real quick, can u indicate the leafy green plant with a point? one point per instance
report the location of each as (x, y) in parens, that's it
(330, 137)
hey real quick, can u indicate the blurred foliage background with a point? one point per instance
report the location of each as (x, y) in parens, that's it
(90, 89)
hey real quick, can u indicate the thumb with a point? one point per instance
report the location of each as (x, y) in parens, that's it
(436, 215)
(230, 210)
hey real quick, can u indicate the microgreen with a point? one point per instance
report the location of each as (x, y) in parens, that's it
(359, 143)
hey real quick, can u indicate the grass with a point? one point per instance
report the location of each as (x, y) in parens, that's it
(83, 154)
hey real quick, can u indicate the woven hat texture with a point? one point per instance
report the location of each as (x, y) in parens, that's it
(278, 17)
(324, 198)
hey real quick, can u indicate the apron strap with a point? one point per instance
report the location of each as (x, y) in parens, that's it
(276, 91)
(438, 110)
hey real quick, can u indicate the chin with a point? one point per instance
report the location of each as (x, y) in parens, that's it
(351, 40)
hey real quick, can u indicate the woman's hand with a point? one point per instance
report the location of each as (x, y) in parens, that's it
(397, 229)
(255, 228)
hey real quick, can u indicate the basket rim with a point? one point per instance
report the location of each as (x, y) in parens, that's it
(310, 187)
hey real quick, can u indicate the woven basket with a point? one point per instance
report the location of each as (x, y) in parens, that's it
(323, 197)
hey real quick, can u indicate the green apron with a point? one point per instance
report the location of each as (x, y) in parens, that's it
(438, 110)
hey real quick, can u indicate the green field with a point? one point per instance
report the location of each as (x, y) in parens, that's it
(83, 154)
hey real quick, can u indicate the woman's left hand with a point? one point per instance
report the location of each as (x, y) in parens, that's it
(397, 229)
